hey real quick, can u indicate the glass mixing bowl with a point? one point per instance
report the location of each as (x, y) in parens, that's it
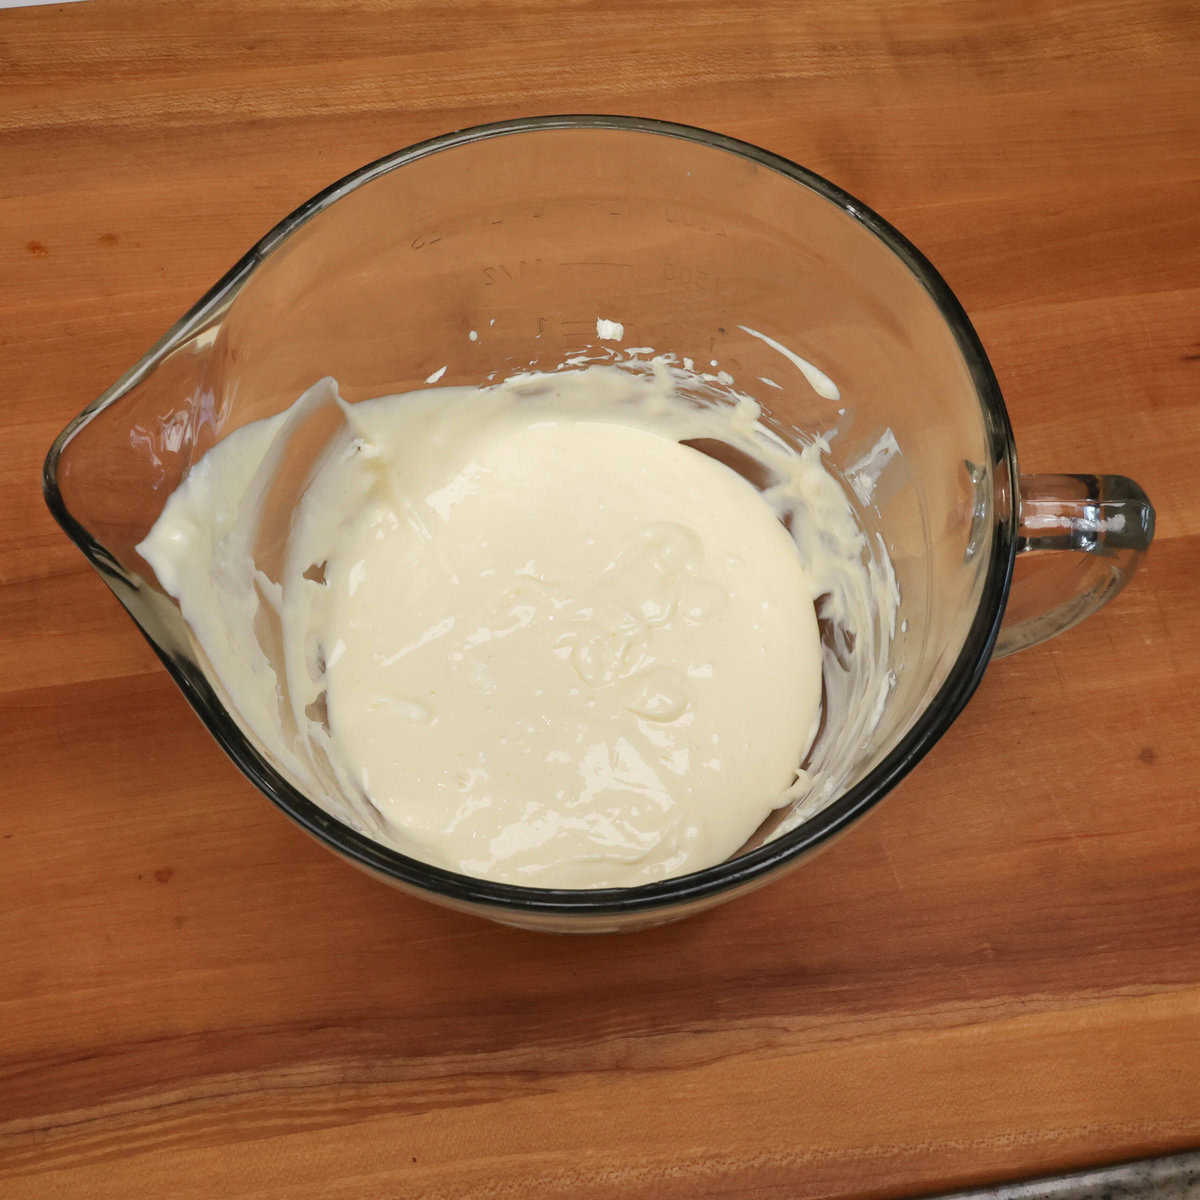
(528, 231)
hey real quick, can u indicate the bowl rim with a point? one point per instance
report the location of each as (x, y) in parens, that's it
(514, 899)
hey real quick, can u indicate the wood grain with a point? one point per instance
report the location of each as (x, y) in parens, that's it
(995, 975)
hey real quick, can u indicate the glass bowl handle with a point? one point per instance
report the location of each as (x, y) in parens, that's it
(1105, 522)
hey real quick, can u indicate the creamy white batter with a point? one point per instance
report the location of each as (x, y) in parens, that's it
(521, 631)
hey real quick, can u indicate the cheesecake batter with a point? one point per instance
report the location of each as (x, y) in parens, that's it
(524, 632)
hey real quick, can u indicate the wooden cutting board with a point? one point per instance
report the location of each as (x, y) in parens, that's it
(998, 973)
